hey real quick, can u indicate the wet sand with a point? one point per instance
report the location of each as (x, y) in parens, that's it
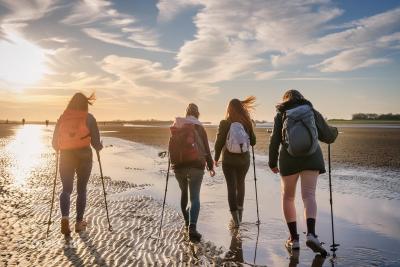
(358, 146)
(25, 202)
(366, 211)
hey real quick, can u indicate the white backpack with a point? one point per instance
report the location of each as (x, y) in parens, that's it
(237, 140)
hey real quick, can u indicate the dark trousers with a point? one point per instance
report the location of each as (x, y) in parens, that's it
(235, 175)
(77, 161)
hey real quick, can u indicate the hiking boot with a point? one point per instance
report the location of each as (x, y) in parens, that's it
(65, 230)
(194, 236)
(80, 226)
(292, 243)
(235, 219)
(313, 243)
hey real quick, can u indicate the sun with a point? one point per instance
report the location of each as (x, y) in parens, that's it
(22, 62)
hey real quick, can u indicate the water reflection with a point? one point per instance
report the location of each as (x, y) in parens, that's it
(25, 152)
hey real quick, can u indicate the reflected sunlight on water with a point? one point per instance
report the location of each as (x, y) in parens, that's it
(25, 151)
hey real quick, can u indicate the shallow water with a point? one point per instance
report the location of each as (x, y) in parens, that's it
(366, 206)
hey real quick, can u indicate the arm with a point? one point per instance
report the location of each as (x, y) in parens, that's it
(221, 139)
(209, 160)
(326, 133)
(94, 133)
(275, 141)
(55, 136)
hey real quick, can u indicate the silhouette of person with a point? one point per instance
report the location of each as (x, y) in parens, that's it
(23, 121)
(47, 123)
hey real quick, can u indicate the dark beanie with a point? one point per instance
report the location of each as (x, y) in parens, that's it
(192, 110)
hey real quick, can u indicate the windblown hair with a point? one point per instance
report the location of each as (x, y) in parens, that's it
(239, 111)
(81, 102)
(193, 110)
(292, 98)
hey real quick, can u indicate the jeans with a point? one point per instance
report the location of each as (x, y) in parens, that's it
(235, 176)
(77, 161)
(190, 178)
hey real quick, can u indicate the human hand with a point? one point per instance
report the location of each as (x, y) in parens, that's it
(216, 163)
(275, 170)
(212, 173)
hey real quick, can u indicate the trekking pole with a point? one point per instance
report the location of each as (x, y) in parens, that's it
(165, 196)
(104, 191)
(255, 185)
(255, 250)
(52, 198)
(334, 245)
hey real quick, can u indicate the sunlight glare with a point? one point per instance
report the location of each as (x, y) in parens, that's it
(22, 62)
(26, 150)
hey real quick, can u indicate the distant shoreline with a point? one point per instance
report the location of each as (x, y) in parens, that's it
(370, 122)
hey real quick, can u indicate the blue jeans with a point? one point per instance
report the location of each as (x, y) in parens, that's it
(77, 161)
(190, 179)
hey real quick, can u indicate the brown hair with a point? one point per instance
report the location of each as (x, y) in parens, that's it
(81, 102)
(239, 111)
(193, 110)
(291, 98)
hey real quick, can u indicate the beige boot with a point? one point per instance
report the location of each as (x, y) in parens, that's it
(80, 226)
(65, 230)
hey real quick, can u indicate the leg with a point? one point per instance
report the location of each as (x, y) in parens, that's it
(67, 173)
(83, 172)
(195, 180)
(182, 178)
(288, 196)
(308, 187)
(231, 178)
(241, 175)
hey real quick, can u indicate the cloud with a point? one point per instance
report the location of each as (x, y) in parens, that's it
(103, 22)
(233, 37)
(350, 60)
(266, 75)
(144, 78)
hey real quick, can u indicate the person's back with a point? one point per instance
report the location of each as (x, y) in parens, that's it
(189, 153)
(75, 131)
(234, 138)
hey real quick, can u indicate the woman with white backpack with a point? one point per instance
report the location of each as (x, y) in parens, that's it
(234, 140)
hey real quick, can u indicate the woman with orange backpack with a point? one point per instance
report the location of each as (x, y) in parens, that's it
(234, 138)
(75, 131)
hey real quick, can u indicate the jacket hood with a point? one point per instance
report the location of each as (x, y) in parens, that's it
(180, 121)
(282, 107)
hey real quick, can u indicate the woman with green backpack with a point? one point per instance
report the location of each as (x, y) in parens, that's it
(297, 129)
(234, 138)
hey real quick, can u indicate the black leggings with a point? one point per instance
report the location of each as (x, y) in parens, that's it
(235, 176)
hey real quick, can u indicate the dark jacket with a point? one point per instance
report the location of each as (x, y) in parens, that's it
(94, 133)
(230, 158)
(288, 164)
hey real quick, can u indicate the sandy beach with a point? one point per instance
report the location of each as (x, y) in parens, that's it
(368, 230)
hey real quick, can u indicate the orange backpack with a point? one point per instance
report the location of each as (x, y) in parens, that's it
(73, 131)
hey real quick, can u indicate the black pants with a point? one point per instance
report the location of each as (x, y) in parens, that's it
(235, 176)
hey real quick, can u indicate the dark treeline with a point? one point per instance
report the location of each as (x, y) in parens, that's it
(374, 116)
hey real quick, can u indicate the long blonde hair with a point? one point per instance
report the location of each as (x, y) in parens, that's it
(239, 111)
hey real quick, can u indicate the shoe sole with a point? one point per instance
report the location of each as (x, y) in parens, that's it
(315, 248)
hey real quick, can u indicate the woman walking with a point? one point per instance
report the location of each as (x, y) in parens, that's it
(297, 129)
(75, 131)
(234, 138)
(190, 154)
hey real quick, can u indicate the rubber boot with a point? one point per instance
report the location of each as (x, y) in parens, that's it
(194, 236)
(235, 218)
(240, 210)
(186, 217)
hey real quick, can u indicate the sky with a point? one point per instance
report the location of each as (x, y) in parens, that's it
(149, 59)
